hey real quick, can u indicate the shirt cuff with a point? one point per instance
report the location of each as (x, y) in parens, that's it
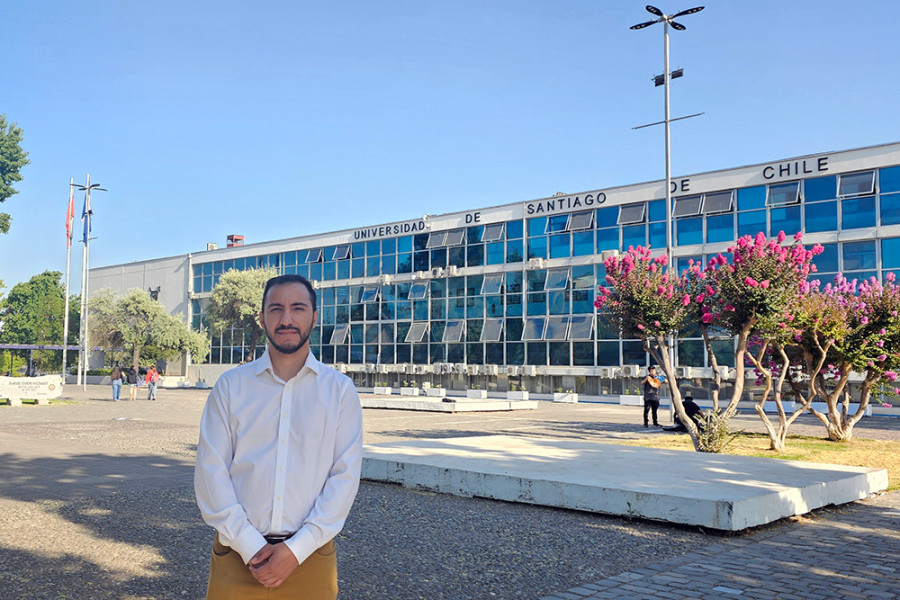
(249, 543)
(303, 544)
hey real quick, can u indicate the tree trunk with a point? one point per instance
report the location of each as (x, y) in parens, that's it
(661, 354)
(136, 357)
(739, 353)
(714, 363)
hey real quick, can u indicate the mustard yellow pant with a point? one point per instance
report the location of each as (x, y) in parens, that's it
(314, 579)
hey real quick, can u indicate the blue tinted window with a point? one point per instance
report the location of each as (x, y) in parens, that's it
(634, 235)
(786, 219)
(820, 188)
(607, 239)
(858, 212)
(373, 248)
(752, 198)
(657, 210)
(751, 223)
(537, 226)
(890, 253)
(559, 245)
(657, 233)
(859, 255)
(890, 179)
(890, 209)
(537, 247)
(689, 231)
(583, 243)
(404, 244)
(496, 253)
(513, 230)
(821, 217)
(720, 228)
(389, 245)
(514, 251)
(607, 217)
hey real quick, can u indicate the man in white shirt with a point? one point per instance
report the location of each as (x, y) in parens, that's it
(278, 460)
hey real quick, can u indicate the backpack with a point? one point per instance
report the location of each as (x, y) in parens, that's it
(154, 377)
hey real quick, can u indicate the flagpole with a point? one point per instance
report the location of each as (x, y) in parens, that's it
(70, 213)
(84, 282)
(82, 370)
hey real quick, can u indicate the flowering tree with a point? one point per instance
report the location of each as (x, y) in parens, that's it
(752, 295)
(849, 328)
(648, 302)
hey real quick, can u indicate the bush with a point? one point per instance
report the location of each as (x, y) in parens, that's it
(714, 432)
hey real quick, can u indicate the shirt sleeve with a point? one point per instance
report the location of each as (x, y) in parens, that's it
(333, 505)
(215, 493)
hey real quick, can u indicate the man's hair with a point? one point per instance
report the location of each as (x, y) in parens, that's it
(283, 279)
(653, 367)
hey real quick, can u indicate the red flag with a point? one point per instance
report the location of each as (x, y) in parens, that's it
(70, 215)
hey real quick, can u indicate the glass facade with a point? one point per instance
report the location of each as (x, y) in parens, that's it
(520, 292)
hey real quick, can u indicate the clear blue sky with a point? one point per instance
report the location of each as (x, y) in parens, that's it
(279, 118)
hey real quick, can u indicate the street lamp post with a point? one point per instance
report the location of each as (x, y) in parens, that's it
(85, 261)
(667, 20)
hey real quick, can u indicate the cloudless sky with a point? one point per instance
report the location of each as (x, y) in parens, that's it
(281, 118)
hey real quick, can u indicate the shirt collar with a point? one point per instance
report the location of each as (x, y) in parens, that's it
(264, 363)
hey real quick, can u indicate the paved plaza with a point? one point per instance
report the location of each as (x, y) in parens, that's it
(96, 502)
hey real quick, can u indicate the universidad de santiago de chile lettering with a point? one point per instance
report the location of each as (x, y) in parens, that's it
(565, 203)
(797, 167)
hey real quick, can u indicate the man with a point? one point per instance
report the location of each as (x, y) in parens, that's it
(278, 460)
(693, 411)
(651, 396)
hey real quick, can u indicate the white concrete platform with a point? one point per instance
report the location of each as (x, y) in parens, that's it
(717, 491)
(448, 404)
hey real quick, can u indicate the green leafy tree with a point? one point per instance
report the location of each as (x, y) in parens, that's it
(135, 323)
(12, 159)
(236, 302)
(33, 313)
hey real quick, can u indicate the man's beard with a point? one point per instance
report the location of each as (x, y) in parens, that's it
(291, 349)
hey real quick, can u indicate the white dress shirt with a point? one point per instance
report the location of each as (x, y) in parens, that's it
(278, 457)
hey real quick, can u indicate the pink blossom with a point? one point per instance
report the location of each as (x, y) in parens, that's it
(750, 281)
(707, 317)
(656, 323)
(781, 236)
(882, 357)
(641, 327)
(890, 375)
(798, 237)
(686, 300)
(764, 284)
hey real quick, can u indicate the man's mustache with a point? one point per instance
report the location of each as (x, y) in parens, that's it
(280, 329)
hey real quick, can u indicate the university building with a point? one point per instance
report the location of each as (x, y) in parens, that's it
(504, 294)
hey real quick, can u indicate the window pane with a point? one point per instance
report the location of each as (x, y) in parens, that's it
(786, 220)
(752, 198)
(340, 334)
(633, 213)
(369, 294)
(634, 235)
(720, 228)
(820, 188)
(537, 226)
(656, 210)
(859, 255)
(890, 209)
(557, 223)
(455, 237)
(514, 252)
(821, 217)
(608, 217)
(784, 194)
(889, 179)
(857, 184)
(560, 245)
(687, 206)
(608, 239)
(537, 247)
(341, 252)
(557, 328)
(492, 233)
(492, 284)
(581, 327)
(418, 290)
(534, 328)
(416, 333)
(436, 239)
(718, 202)
(689, 231)
(491, 330)
(858, 212)
(583, 243)
(750, 223)
(557, 279)
(453, 331)
(890, 253)
(314, 256)
(583, 220)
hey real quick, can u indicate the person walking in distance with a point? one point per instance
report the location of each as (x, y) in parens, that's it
(117, 376)
(132, 378)
(278, 460)
(651, 396)
(151, 380)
